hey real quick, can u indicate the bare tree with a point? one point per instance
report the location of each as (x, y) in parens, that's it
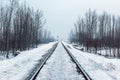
(21, 27)
(98, 32)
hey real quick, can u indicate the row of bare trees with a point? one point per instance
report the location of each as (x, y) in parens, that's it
(21, 27)
(98, 32)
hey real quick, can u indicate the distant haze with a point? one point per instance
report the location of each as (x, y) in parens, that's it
(62, 14)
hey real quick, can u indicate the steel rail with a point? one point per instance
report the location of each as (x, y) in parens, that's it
(43, 63)
(86, 76)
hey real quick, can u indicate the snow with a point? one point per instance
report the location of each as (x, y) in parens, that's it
(108, 53)
(98, 67)
(18, 68)
(59, 67)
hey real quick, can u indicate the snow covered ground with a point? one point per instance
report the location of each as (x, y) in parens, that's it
(59, 67)
(19, 67)
(102, 52)
(98, 67)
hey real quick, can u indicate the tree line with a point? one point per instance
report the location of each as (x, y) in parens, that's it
(97, 32)
(21, 27)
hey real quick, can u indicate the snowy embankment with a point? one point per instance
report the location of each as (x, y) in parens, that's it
(98, 67)
(19, 67)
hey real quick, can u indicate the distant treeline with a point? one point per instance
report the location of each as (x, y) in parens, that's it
(98, 32)
(21, 27)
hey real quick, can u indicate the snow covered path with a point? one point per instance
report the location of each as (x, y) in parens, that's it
(98, 67)
(59, 67)
(19, 67)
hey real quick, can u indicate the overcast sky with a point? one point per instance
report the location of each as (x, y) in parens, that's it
(62, 14)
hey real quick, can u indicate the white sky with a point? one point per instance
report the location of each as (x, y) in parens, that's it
(62, 14)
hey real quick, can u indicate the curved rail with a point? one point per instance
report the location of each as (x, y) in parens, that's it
(86, 76)
(46, 57)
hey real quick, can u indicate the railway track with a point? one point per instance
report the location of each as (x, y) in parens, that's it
(80, 69)
(42, 62)
(86, 76)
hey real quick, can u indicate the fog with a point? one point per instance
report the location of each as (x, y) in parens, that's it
(62, 14)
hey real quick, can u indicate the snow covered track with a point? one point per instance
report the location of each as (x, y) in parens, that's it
(42, 62)
(60, 67)
(86, 76)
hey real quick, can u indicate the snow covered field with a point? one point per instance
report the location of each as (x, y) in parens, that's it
(59, 67)
(98, 67)
(19, 67)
